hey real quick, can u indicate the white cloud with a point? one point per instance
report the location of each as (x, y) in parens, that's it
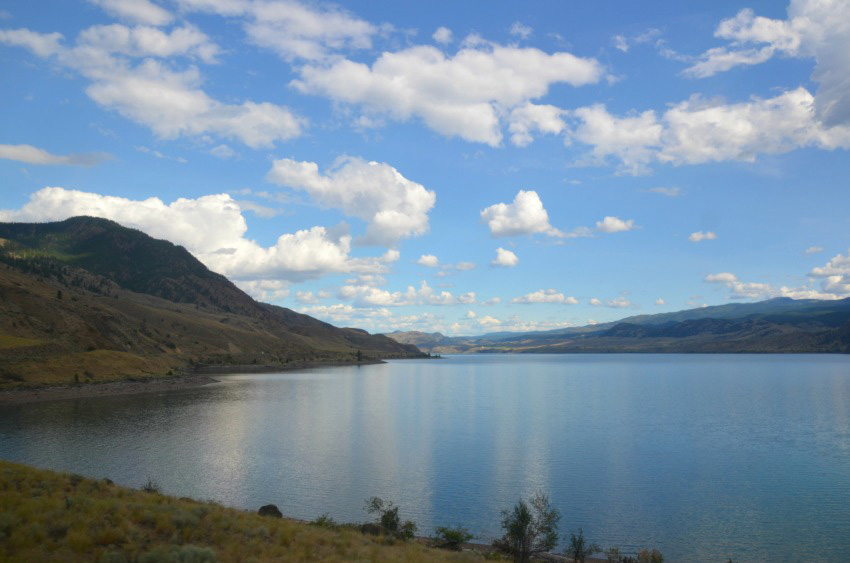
(525, 216)
(660, 301)
(393, 206)
(835, 275)
(615, 225)
(471, 314)
(814, 28)
(623, 43)
(595, 302)
(153, 92)
(41, 44)
(669, 192)
(370, 296)
(814, 249)
(465, 95)
(428, 260)
(145, 41)
(265, 290)
(545, 296)
(222, 151)
(633, 139)
(467, 298)
(34, 155)
(618, 303)
(493, 301)
(292, 29)
(310, 298)
(443, 35)
(697, 131)
(505, 258)
(305, 254)
(834, 283)
(521, 30)
(723, 277)
(530, 117)
(700, 236)
(139, 11)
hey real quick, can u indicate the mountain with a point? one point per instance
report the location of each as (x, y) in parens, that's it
(775, 325)
(87, 299)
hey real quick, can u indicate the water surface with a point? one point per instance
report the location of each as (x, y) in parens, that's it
(702, 456)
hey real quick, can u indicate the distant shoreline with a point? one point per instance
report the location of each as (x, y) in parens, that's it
(199, 377)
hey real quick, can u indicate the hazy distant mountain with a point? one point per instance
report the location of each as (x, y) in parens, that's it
(775, 325)
(90, 298)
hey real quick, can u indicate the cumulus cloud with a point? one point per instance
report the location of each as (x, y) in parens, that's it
(813, 29)
(428, 260)
(365, 295)
(305, 254)
(525, 216)
(294, 30)
(34, 155)
(443, 35)
(833, 278)
(698, 130)
(633, 139)
(505, 258)
(615, 225)
(545, 296)
(465, 95)
(700, 236)
(138, 11)
(153, 91)
(529, 118)
(393, 206)
(660, 301)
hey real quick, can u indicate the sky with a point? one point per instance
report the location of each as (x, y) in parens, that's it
(462, 167)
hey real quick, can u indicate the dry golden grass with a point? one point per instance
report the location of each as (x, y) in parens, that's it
(96, 366)
(50, 516)
(7, 341)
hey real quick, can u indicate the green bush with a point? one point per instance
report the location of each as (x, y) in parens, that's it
(451, 538)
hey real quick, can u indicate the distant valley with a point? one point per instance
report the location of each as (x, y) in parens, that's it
(774, 326)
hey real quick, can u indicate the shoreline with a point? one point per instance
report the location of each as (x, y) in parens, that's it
(200, 376)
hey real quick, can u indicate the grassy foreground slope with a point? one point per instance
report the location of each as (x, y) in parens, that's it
(50, 516)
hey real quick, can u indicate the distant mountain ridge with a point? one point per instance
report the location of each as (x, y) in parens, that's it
(775, 325)
(87, 297)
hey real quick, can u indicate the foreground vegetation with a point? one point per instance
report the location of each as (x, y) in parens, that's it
(49, 516)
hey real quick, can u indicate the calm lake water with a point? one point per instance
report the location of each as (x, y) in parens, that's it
(702, 456)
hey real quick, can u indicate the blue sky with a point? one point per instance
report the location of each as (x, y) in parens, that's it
(463, 167)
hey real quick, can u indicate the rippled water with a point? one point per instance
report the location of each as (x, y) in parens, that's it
(704, 457)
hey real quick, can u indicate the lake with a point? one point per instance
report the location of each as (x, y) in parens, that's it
(704, 457)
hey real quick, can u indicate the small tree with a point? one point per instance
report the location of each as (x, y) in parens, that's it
(451, 538)
(359, 355)
(389, 520)
(579, 548)
(530, 528)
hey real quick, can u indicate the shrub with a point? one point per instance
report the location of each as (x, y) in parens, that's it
(324, 521)
(451, 538)
(389, 520)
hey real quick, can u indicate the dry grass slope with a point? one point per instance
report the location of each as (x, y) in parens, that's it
(50, 516)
